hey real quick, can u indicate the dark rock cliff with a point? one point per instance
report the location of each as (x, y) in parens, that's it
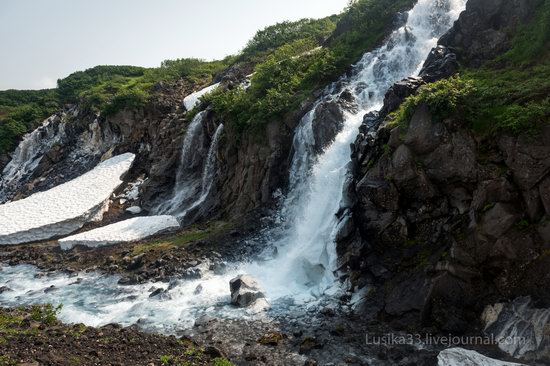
(440, 222)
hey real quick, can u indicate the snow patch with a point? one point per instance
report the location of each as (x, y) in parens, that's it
(192, 100)
(121, 232)
(65, 208)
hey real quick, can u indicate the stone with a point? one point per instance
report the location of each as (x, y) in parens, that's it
(134, 210)
(544, 191)
(519, 328)
(462, 357)
(409, 294)
(497, 220)
(423, 135)
(345, 227)
(245, 290)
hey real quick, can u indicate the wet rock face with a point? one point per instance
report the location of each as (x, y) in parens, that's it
(245, 290)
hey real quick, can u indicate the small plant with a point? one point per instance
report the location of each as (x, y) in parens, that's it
(220, 361)
(46, 314)
(166, 359)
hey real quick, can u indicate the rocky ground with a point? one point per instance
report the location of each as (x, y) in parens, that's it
(33, 336)
(181, 254)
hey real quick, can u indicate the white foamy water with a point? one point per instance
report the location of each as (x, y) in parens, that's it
(303, 270)
(65, 208)
(196, 171)
(28, 155)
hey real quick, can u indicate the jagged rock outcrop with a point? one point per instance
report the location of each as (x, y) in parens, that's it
(447, 222)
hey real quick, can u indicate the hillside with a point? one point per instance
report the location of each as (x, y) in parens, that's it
(383, 172)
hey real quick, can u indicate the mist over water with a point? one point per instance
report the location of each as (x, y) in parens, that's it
(302, 271)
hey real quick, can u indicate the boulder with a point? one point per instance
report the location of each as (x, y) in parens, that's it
(245, 290)
(519, 328)
(423, 136)
(460, 356)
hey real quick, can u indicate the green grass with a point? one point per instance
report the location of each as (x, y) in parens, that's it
(292, 68)
(220, 361)
(193, 234)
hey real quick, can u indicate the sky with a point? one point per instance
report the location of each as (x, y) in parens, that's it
(44, 40)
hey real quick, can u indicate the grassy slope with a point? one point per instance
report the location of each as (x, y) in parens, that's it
(510, 93)
(287, 57)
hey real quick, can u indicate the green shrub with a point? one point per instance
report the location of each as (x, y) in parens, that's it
(46, 314)
(219, 361)
(442, 98)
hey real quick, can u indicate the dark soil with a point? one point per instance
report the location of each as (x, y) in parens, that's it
(33, 336)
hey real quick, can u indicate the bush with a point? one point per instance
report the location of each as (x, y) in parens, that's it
(442, 98)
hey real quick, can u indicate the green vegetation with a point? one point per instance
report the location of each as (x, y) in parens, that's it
(105, 89)
(510, 93)
(532, 40)
(12, 322)
(364, 25)
(220, 361)
(290, 61)
(296, 61)
(189, 235)
(46, 314)
(278, 35)
(20, 111)
(442, 98)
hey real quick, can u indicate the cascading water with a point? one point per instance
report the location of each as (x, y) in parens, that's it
(191, 188)
(28, 155)
(308, 255)
(303, 270)
(188, 183)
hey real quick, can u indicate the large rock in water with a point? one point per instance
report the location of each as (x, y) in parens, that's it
(464, 357)
(65, 208)
(245, 290)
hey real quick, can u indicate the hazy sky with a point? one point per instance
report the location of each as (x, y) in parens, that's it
(43, 40)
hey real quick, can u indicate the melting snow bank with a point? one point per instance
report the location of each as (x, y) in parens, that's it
(192, 100)
(121, 232)
(463, 357)
(65, 208)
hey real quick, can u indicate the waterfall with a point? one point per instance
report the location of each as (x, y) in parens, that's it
(188, 182)
(303, 270)
(196, 170)
(28, 155)
(307, 257)
(210, 166)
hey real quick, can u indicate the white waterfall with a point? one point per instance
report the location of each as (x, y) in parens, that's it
(303, 269)
(188, 184)
(307, 258)
(28, 155)
(192, 188)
